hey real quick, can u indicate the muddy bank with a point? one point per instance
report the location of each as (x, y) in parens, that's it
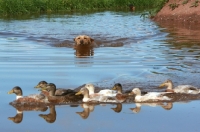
(186, 11)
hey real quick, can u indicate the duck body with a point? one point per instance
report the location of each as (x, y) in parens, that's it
(150, 96)
(58, 92)
(31, 99)
(186, 89)
(52, 98)
(119, 96)
(95, 99)
(104, 92)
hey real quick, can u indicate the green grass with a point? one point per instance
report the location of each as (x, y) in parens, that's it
(17, 7)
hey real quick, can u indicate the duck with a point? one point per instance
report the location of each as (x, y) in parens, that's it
(104, 92)
(94, 99)
(59, 91)
(149, 97)
(186, 89)
(31, 99)
(51, 117)
(119, 96)
(52, 98)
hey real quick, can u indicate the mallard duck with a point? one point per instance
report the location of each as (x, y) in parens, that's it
(87, 108)
(51, 117)
(34, 98)
(149, 97)
(52, 98)
(187, 89)
(100, 98)
(17, 118)
(104, 92)
(59, 91)
(119, 96)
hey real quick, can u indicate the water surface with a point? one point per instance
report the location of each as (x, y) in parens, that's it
(131, 50)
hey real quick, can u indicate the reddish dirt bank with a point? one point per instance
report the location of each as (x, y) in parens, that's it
(180, 11)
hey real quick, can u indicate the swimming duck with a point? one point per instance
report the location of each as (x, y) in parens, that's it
(52, 98)
(51, 117)
(86, 98)
(187, 89)
(119, 96)
(59, 91)
(149, 97)
(104, 92)
(35, 98)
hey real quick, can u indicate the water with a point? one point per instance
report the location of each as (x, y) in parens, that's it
(133, 51)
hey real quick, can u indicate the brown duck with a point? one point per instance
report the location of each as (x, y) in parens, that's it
(59, 91)
(52, 98)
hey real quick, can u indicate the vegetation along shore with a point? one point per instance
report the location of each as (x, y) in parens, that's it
(18, 7)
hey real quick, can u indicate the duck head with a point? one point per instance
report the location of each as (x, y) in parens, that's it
(16, 90)
(135, 91)
(168, 84)
(90, 87)
(51, 88)
(118, 88)
(41, 84)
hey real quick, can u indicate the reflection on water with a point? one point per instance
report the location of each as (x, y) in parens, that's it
(17, 118)
(51, 117)
(84, 52)
(166, 106)
(87, 108)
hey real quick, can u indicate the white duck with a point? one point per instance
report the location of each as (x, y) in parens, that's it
(187, 89)
(104, 92)
(98, 98)
(149, 97)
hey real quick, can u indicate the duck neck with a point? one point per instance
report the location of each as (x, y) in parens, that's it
(170, 86)
(52, 93)
(119, 91)
(19, 96)
(86, 95)
(91, 91)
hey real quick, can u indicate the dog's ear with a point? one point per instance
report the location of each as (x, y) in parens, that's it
(91, 39)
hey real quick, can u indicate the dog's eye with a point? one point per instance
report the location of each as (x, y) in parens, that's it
(85, 38)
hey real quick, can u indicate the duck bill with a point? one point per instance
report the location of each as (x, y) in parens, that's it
(161, 85)
(78, 93)
(11, 92)
(37, 86)
(114, 88)
(131, 93)
(43, 89)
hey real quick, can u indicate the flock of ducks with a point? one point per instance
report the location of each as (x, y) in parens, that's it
(88, 98)
(51, 94)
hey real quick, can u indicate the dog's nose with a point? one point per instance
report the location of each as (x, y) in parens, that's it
(81, 41)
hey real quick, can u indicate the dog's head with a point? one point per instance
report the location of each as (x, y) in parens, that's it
(83, 40)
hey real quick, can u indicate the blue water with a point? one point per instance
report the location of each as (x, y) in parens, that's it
(147, 57)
